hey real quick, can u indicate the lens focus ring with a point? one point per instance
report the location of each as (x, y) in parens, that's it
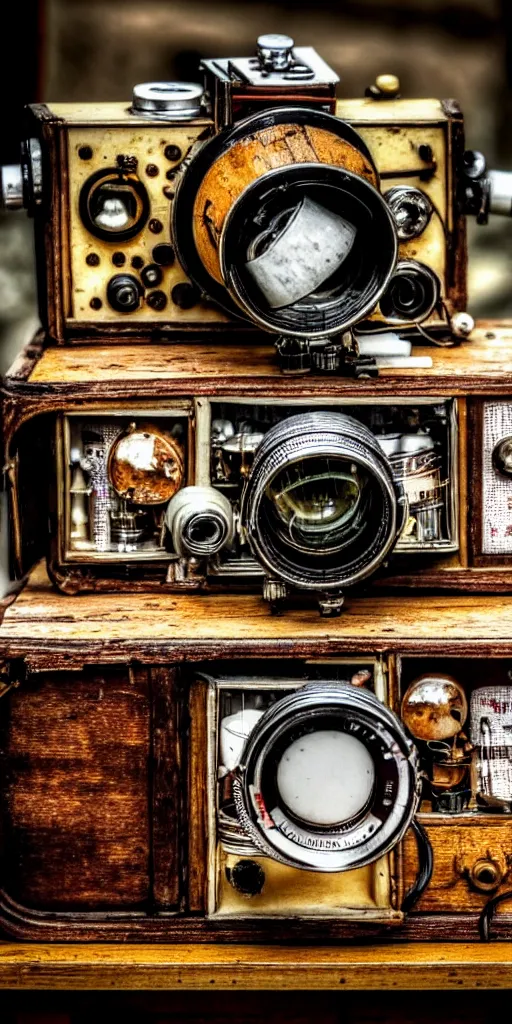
(330, 467)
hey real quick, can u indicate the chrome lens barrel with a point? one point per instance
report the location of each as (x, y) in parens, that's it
(323, 269)
(370, 735)
(200, 521)
(322, 508)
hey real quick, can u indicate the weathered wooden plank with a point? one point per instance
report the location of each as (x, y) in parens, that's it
(43, 622)
(482, 365)
(410, 966)
(76, 791)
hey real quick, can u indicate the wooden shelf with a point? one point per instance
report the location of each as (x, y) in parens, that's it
(409, 966)
(45, 624)
(121, 371)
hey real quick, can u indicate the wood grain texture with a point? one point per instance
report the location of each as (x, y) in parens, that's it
(76, 806)
(480, 366)
(418, 966)
(47, 627)
(167, 796)
(197, 828)
(458, 843)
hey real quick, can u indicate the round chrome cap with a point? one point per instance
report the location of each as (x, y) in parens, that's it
(168, 100)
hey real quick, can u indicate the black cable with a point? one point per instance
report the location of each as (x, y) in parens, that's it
(486, 917)
(425, 869)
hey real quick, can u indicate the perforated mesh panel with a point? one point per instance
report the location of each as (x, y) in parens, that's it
(496, 489)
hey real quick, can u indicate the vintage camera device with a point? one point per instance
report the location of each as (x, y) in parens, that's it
(257, 200)
(211, 775)
(231, 477)
(176, 764)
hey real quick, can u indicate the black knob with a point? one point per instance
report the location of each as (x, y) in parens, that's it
(247, 877)
(124, 293)
(185, 295)
(502, 456)
(294, 355)
(151, 275)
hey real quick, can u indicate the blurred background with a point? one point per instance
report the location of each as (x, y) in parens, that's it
(98, 49)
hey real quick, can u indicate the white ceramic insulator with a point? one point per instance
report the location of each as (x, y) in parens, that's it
(234, 731)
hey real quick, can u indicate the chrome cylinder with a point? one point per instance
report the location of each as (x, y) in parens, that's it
(200, 521)
(417, 466)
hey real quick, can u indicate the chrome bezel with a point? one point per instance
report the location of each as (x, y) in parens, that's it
(327, 434)
(353, 844)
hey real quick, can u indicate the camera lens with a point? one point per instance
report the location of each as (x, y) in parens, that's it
(200, 521)
(321, 508)
(328, 780)
(280, 220)
(325, 777)
(308, 249)
(412, 293)
(316, 502)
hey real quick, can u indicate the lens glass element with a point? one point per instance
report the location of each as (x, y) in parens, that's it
(326, 777)
(113, 206)
(317, 501)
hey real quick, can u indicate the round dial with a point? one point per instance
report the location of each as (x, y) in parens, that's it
(328, 779)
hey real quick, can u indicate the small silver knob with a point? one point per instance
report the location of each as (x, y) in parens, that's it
(11, 186)
(275, 52)
(168, 100)
(500, 199)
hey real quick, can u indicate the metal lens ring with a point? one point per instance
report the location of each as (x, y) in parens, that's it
(411, 209)
(322, 508)
(321, 270)
(502, 456)
(412, 293)
(200, 521)
(371, 734)
(113, 206)
(206, 156)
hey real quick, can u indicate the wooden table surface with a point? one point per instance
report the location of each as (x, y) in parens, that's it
(123, 967)
(41, 621)
(481, 365)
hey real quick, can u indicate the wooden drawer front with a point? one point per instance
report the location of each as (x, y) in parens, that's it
(75, 799)
(472, 862)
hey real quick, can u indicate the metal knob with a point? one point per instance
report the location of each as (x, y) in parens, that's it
(247, 877)
(486, 874)
(168, 101)
(385, 87)
(500, 192)
(275, 52)
(124, 293)
(388, 85)
(502, 456)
